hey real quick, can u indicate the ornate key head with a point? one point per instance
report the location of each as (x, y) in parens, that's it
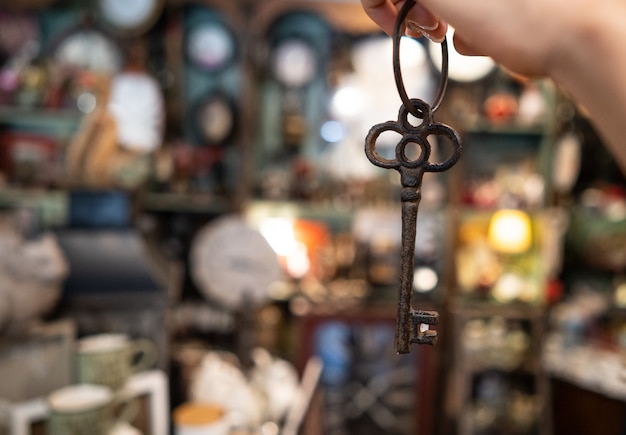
(412, 169)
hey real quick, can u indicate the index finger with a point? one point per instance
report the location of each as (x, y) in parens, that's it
(382, 12)
(419, 19)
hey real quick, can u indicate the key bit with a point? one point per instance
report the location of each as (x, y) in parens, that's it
(420, 331)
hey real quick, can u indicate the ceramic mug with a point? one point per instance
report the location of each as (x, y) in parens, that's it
(85, 409)
(110, 359)
(200, 419)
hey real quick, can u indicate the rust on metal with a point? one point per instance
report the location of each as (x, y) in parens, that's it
(412, 326)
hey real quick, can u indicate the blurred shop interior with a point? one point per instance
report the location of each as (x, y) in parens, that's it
(191, 175)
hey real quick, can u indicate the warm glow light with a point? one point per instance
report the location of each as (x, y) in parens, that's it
(510, 231)
(425, 279)
(348, 102)
(280, 235)
(620, 295)
(297, 261)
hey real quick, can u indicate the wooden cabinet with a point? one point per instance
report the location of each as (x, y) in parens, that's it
(498, 382)
(496, 311)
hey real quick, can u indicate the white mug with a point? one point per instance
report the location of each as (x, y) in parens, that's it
(84, 409)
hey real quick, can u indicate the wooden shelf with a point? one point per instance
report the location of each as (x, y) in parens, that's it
(183, 202)
(52, 205)
(484, 127)
(489, 309)
(59, 122)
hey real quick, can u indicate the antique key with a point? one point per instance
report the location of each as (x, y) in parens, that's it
(412, 326)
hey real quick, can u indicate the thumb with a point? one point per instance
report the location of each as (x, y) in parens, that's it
(465, 48)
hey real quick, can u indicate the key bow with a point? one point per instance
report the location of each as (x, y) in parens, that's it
(411, 170)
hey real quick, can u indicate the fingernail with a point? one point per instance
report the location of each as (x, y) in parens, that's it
(425, 30)
(435, 39)
(414, 25)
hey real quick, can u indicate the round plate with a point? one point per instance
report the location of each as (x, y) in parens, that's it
(232, 264)
(90, 49)
(210, 46)
(215, 119)
(130, 17)
(294, 62)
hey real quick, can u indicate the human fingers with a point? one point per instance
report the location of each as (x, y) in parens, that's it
(419, 20)
(382, 12)
(482, 23)
(501, 30)
(465, 48)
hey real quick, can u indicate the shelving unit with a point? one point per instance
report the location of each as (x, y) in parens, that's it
(486, 373)
(499, 384)
(61, 122)
(496, 302)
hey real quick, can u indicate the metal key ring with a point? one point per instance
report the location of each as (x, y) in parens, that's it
(397, 36)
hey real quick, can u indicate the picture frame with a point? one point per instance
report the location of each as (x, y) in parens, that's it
(367, 388)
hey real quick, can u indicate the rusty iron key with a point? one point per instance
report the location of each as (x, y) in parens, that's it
(412, 326)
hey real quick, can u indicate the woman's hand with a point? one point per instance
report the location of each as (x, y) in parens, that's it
(578, 43)
(419, 20)
(522, 35)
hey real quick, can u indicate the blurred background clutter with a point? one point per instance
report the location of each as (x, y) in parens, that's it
(192, 240)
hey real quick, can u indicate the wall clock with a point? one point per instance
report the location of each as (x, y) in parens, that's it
(210, 46)
(130, 17)
(215, 118)
(294, 62)
(232, 264)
